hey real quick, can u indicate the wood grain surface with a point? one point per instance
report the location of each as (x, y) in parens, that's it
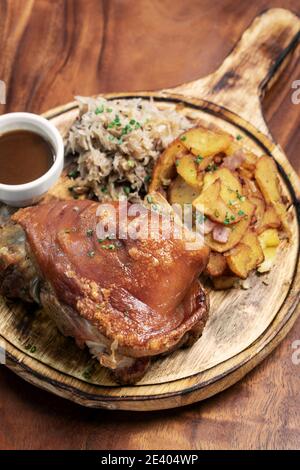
(53, 50)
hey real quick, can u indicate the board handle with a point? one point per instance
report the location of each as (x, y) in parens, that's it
(253, 65)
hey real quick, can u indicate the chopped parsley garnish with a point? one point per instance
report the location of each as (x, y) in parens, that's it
(241, 213)
(91, 254)
(99, 110)
(132, 121)
(104, 189)
(33, 349)
(131, 163)
(183, 138)
(147, 179)
(177, 162)
(149, 199)
(73, 174)
(198, 159)
(126, 190)
(239, 137)
(89, 232)
(211, 167)
(240, 197)
(109, 110)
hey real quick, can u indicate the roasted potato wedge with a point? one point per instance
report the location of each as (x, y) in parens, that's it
(181, 193)
(205, 142)
(212, 205)
(250, 161)
(267, 179)
(246, 256)
(260, 207)
(237, 231)
(216, 264)
(270, 219)
(231, 190)
(239, 260)
(269, 241)
(165, 169)
(187, 168)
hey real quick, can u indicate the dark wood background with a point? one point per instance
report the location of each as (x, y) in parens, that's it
(52, 50)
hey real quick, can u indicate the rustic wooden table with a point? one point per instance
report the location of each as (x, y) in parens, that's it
(52, 50)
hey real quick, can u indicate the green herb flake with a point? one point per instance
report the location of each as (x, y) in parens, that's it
(239, 137)
(149, 199)
(109, 110)
(198, 159)
(104, 189)
(241, 213)
(240, 197)
(91, 254)
(126, 190)
(132, 122)
(73, 174)
(131, 163)
(211, 167)
(89, 232)
(183, 138)
(111, 247)
(99, 110)
(147, 179)
(33, 349)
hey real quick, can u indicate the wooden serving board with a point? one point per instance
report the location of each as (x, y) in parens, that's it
(244, 325)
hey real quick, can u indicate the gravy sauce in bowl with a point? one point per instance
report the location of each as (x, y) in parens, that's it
(24, 156)
(31, 158)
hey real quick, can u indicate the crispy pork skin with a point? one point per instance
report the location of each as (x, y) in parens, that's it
(126, 299)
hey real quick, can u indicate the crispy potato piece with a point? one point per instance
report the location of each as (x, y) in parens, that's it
(267, 178)
(239, 260)
(250, 161)
(181, 193)
(165, 169)
(187, 169)
(224, 282)
(212, 205)
(246, 174)
(230, 192)
(205, 142)
(269, 242)
(270, 220)
(246, 256)
(260, 207)
(269, 238)
(238, 230)
(216, 264)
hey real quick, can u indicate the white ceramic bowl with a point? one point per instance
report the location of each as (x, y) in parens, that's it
(20, 195)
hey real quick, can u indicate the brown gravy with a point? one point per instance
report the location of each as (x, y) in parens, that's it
(24, 157)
